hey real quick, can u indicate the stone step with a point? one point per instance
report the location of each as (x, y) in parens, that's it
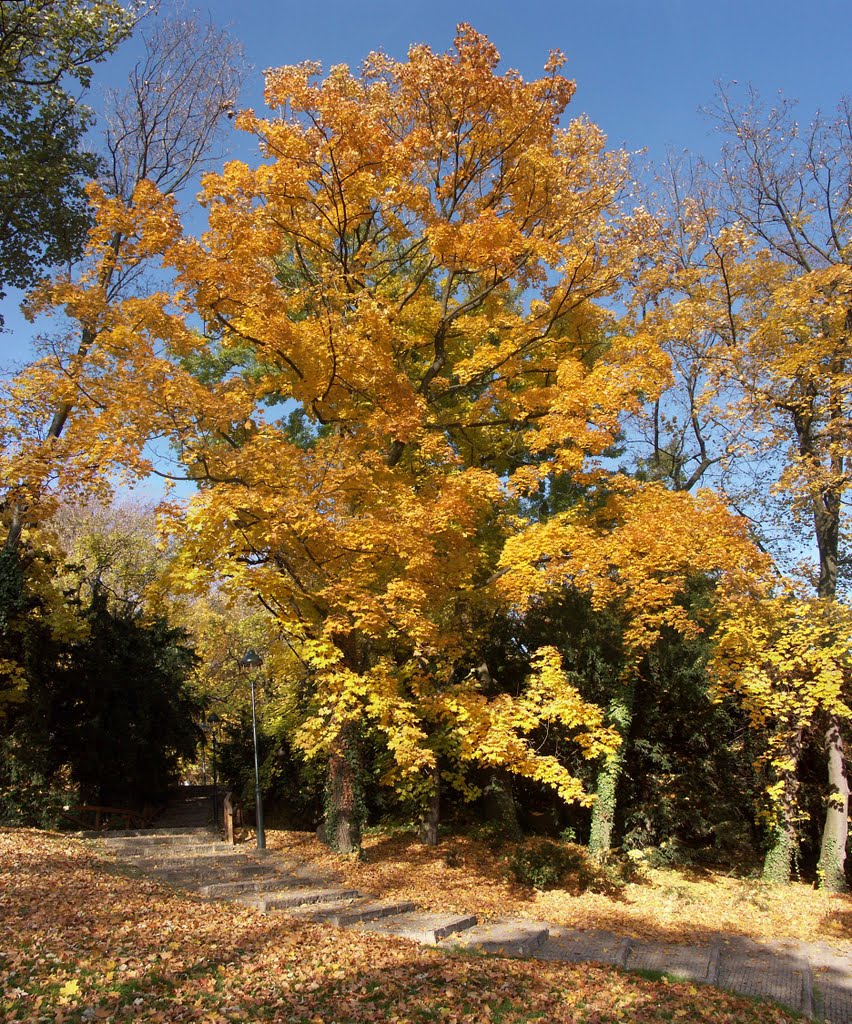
(201, 874)
(196, 837)
(297, 898)
(185, 850)
(506, 937)
(132, 833)
(185, 853)
(359, 911)
(224, 890)
(222, 860)
(425, 928)
(203, 820)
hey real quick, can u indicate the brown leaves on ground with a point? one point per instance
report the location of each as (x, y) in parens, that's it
(83, 943)
(463, 874)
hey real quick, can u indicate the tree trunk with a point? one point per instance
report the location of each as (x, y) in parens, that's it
(500, 809)
(827, 508)
(778, 862)
(344, 803)
(430, 815)
(832, 860)
(619, 714)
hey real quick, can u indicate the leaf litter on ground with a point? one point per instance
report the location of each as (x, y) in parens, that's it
(466, 875)
(81, 942)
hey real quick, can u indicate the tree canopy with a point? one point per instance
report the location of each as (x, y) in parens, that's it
(48, 49)
(399, 364)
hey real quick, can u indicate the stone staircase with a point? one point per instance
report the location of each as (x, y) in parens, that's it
(188, 807)
(812, 978)
(195, 859)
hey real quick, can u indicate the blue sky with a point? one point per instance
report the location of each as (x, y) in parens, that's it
(642, 69)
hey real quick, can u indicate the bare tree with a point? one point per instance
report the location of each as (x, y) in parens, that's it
(167, 125)
(785, 189)
(790, 183)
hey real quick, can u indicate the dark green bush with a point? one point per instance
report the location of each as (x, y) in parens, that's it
(545, 864)
(539, 863)
(29, 793)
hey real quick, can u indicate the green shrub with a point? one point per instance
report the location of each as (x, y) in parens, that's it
(545, 864)
(539, 863)
(30, 794)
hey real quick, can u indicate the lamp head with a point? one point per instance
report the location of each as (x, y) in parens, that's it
(251, 659)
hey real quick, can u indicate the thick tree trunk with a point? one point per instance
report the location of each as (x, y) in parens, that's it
(344, 802)
(832, 860)
(778, 862)
(619, 714)
(430, 816)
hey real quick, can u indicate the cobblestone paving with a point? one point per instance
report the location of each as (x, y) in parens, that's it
(695, 963)
(755, 969)
(832, 982)
(813, 978)
(576, 945)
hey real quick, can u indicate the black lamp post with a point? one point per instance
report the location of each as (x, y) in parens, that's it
(251, 660)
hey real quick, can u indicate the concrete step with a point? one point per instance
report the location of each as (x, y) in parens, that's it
(506, 937)
(225, 890)
(133, 833)
(195, 837)
(425, 928)
(222, 860)
(206, 874)
(178, 853)
(359, 911)
(145, 851)
(297, 898)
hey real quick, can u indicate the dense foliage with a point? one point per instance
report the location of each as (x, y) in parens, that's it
(102, 710)
(400, 365)
(47, 52)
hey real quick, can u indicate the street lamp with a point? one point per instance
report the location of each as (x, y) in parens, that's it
(251, 660)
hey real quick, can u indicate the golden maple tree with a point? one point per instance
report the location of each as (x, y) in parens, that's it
(787, 659)
(635, 551)
(414, 273)
(391, 335)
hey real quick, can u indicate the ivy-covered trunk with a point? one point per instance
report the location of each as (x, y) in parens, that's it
(832, 860)
(827, 511)
(344, 798)
(619, 714)
(778, 862)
